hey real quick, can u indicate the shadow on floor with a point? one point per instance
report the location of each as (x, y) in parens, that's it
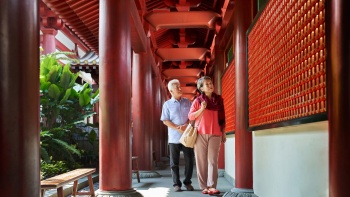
(162, 186)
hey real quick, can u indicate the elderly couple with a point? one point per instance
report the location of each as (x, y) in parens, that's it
(176, 114)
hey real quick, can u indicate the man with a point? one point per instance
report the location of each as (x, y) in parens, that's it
(175, 116)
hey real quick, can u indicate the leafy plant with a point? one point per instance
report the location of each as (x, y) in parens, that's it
(53, 168)
(64, 104)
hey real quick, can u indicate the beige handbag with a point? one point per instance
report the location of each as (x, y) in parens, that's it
(189, 136)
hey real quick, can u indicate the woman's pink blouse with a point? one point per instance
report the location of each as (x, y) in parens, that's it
(209, 123)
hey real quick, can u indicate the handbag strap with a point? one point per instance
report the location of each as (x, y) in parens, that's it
(200, 119)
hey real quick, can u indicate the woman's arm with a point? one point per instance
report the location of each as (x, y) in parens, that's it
(196, 109)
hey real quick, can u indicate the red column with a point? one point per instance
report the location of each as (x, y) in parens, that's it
(159, 123)
(49, 41)
(243, 146)
(49, 24)
(140, 114)
(19, 100)
(338, 95)
(156, 137)
(115, 99)
(164, 134)
(219, 68)
(95, 118)
(149, 111)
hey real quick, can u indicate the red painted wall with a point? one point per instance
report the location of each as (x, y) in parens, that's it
(228, 94)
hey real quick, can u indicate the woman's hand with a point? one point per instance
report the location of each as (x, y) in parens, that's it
(203, 105)
(223, 137)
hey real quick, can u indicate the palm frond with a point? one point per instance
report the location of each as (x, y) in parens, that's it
(44, 155)
(67, 146)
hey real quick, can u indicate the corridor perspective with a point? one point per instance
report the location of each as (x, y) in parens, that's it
(83, 83)
(161, 184)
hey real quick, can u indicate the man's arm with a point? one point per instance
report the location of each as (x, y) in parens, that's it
(179, 128)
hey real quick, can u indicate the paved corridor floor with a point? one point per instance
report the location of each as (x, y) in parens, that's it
(162, 186)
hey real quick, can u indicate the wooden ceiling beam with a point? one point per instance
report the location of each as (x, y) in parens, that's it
(138, 36)
(186, 72)
(176, 20)
(185, 80)
(182, 54)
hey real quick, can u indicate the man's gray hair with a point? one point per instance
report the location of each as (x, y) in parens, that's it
(171, 83)
(200, 82)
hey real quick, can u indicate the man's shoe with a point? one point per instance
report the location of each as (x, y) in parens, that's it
(189, 187)
(177, 189)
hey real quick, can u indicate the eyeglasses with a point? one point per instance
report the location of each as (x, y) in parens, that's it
(176, 87)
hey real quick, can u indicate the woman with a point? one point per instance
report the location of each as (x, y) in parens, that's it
(211, 132)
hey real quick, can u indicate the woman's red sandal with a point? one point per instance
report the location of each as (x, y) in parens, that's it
(205, 191)
(213, 191)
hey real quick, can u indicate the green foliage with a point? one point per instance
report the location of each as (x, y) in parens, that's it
(53, 168)
(64, 105)
(54, 92)
(92, 136)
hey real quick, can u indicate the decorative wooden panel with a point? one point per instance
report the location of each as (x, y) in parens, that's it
(286, 62)
(228, 94)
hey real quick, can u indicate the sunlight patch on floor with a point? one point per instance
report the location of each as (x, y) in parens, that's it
(160, 191)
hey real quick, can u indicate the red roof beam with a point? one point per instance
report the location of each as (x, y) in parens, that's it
(91, 42)
(92, 19)
(91, 22)
(71, 19)
(89, 13)
(74, 38)
(95, 29)
(87, 10)
(95, 42)
(83, 5)
(176, 20)
(138, 36)
(182, 54)
(81, 30)
(87, 34)
(63, 11)
(54, 3)
(78, 25)
(60, 46)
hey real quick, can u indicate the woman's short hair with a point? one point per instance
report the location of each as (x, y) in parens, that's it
(200, 82)
(171, 83)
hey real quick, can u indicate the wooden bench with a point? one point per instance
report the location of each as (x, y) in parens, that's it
(57, 182)
(136, 169)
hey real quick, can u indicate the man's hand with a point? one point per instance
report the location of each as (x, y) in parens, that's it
(182, 128)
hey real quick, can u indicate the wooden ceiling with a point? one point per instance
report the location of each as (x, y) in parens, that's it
(181, 32)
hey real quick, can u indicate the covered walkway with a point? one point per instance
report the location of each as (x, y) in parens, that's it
(282, 67)
(162, 186)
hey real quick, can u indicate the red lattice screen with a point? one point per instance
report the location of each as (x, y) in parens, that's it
(228, 94)
(286, 62)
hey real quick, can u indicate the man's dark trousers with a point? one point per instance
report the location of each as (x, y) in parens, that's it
(174, 163)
